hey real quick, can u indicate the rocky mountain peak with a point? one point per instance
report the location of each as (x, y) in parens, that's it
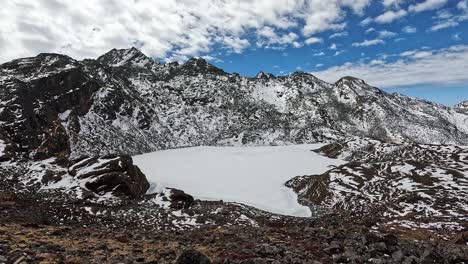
(462, 105)
(357, 86)
(121, 57)
(263, 75)
(350, 79)
(200, 65)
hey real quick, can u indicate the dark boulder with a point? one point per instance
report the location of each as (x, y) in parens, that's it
(180, 200)
(193, 257)
(110, 174)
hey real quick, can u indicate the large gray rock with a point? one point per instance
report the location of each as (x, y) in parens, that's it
(110, 174)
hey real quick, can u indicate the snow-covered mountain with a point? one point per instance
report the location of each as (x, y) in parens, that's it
(125, 102)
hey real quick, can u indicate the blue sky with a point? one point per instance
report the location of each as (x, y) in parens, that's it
(414, 47)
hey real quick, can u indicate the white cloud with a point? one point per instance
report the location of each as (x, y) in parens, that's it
(387, 34)
(392, 3)
(409, 29)
(313, 40)
(319, 54)
(390, 16)
(369, 30)
(322, 15)
(333, 46)
(427, 5)
(297, 44)
(339, 34)
(444, 24)
(422, 54)
(463, 5)
(441, 67)
(170, 29)
(443, 14)
(367, 43)
(267, 37)
(366, 22)
(446, 19)
(338, 52)
(376, 62)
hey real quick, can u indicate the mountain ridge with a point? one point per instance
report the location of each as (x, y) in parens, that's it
(125, 102)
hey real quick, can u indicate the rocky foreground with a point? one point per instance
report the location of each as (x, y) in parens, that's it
(28, 239)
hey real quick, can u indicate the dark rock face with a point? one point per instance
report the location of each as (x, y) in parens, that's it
(33, 92)
(110, 174)
(192, 257)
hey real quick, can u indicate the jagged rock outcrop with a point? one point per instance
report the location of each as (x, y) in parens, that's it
(124, 102)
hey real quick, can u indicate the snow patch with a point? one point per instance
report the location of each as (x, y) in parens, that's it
(2, 147)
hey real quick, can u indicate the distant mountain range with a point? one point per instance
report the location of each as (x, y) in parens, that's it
(125, 102)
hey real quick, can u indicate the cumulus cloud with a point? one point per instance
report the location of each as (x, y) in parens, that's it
(366, 43)
(427, 5)
(390, 16)
(169, 29)
(442, 67)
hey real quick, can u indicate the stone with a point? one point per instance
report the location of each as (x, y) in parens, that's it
(390, 240)
(397, 256)
(180, 199)
(193, 257)
(122, 238)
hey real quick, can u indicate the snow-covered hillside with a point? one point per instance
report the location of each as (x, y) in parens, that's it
(250, 175)
(124, 102)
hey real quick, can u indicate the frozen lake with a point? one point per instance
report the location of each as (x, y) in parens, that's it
(250, 175)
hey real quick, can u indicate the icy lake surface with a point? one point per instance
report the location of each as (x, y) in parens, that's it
(250, 175)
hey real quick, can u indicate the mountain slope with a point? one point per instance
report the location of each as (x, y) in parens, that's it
(125, 102)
